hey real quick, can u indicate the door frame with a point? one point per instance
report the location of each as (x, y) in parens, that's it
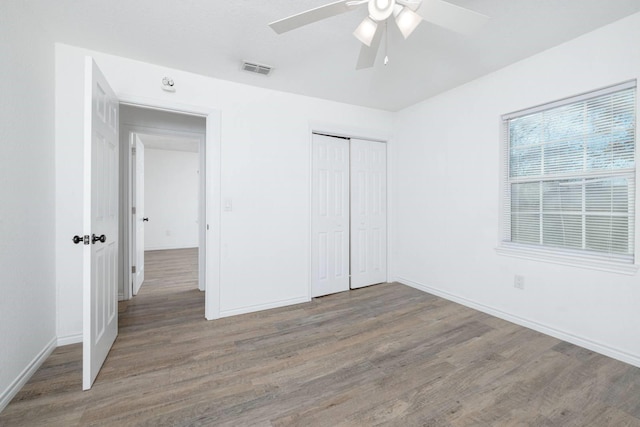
(342, 131)
(210, 195)
(128, 194)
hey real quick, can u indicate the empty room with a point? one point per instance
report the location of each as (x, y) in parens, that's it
(319, 212)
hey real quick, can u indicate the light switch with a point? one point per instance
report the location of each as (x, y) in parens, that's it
(228, 205)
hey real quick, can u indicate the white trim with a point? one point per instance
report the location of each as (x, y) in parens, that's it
(17, 384)
(342, 131)
(125, 250)
(391, 212)
(213, 194)
(310, 215)
(615, 353)
(260, 307)
(163, 105)
(557, 257)
(69, 339)
(629, 84)
(169, 247)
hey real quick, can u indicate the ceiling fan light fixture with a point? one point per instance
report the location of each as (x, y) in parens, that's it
(407, 21)
(379, 10)
(366, 30)
(407, 13)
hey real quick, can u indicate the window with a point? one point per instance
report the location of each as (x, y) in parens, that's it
(569, 177)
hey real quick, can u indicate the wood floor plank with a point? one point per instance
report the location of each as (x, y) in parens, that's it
(383, 355)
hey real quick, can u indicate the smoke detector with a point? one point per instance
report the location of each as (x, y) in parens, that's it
(168, 84)
(253, 67)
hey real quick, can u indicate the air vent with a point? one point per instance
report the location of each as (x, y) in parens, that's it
(256, 68)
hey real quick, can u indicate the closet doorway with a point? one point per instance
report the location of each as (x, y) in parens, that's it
(349, 214)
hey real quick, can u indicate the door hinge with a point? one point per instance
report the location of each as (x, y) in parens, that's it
(133, 210)
(133, 150)
(133, 269)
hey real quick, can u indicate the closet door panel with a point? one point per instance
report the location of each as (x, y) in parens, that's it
(368, 213)
(330, 215)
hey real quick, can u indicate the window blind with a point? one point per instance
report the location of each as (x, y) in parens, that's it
(569, 172)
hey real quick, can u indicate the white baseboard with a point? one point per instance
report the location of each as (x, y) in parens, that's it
(260, 307)
(70, 339)
(21, 380)
(615, 353)
(165, 248)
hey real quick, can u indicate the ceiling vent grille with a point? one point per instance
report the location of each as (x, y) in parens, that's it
(252, 67)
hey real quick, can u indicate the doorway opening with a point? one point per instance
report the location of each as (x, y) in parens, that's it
(163, 194)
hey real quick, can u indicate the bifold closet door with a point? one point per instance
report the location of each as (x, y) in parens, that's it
(368, 213)
(330, 215)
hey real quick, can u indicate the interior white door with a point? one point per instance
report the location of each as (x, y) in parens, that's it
(368, 213)
(330, 215)
(100, 257)
(140, 215)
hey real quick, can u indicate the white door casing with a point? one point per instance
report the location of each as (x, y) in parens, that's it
(368, 213)
(100, 212)
(330, 215)
(140, 215)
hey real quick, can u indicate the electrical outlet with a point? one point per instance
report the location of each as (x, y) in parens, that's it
(518, 282)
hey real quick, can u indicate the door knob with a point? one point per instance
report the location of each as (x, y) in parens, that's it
(101, 238)
(145, 219)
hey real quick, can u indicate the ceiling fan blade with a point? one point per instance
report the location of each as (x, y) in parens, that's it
(451, 16)
(368, 54)
(311, 16)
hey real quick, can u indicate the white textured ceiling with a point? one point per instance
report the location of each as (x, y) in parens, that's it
(212, 37)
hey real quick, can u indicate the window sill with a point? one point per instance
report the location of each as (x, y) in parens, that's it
(562, 258)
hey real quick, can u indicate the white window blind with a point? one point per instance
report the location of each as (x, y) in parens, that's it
(569, 175)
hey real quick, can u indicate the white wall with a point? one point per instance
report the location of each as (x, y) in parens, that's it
(446, 198)
(265, 137)
(27, 269)
(171, 188)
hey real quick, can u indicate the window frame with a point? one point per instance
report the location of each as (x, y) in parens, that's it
(623, 264)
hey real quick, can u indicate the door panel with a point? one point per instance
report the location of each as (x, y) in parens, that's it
(368, 213)
(100, 258)
(330, 215)
(140, 214)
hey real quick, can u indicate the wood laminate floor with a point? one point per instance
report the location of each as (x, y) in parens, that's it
(383, 355)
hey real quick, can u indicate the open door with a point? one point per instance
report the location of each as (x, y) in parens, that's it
(100, 257)
(140, 219)
(368, 213)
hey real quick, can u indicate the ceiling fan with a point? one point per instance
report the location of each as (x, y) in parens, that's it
(407, 14)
